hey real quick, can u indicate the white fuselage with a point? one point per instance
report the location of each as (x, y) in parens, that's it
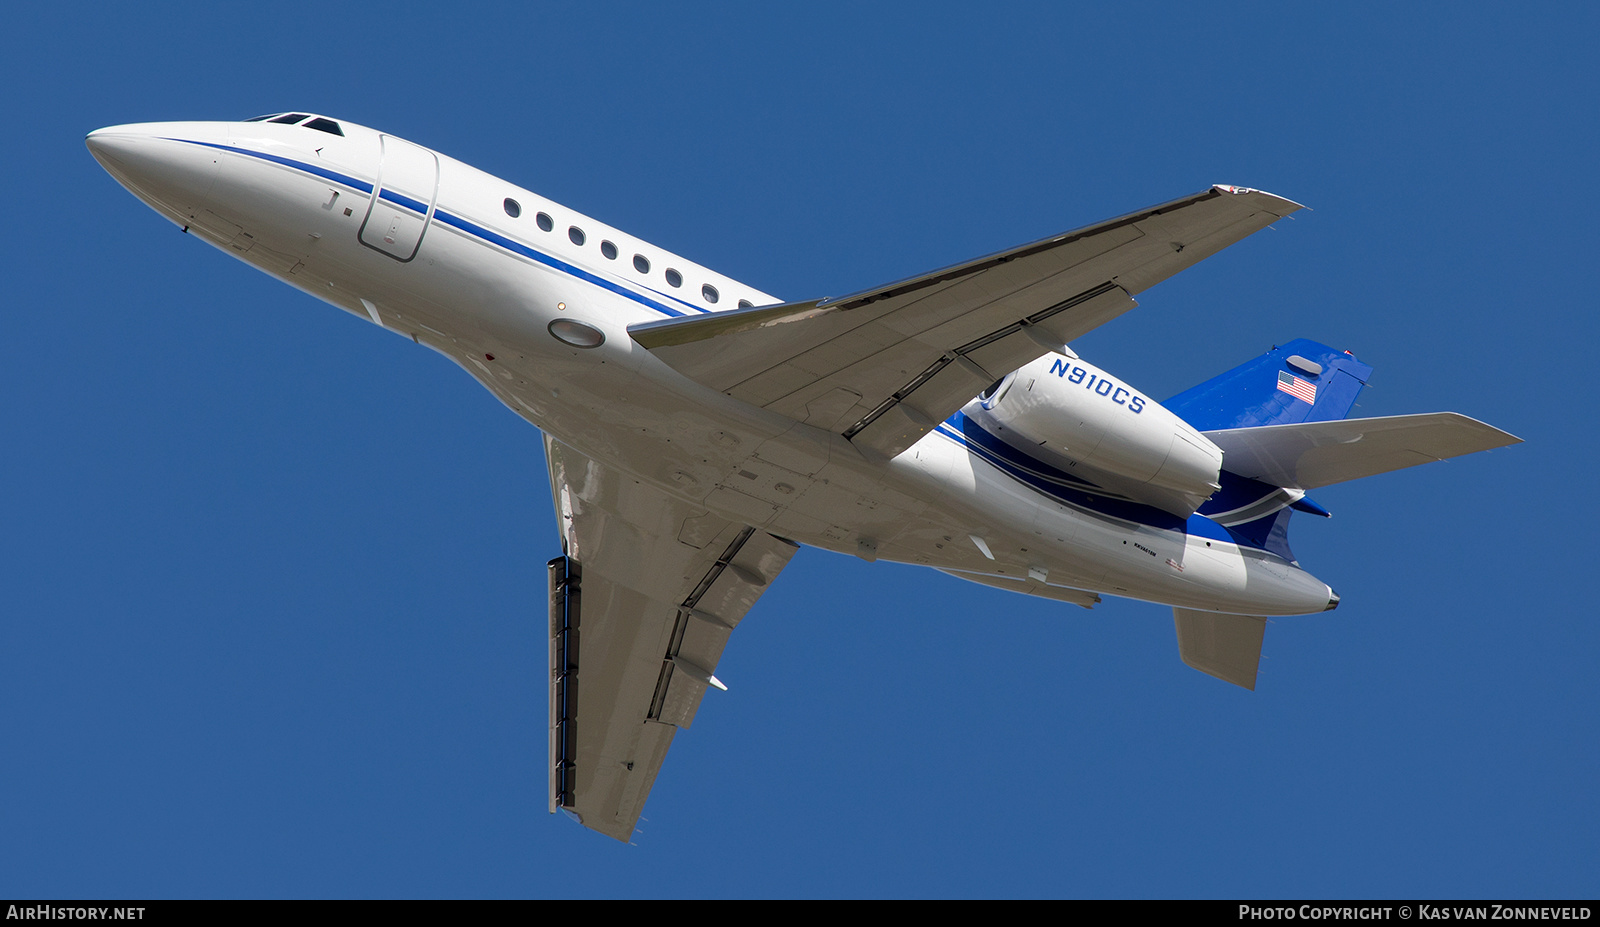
(442, 261)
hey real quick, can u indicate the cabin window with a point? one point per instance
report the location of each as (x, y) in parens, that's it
(513, 208)
(325, 125)
(545, 222)
(674, 278)
(709, 292)
(576, 234)
(609, 250)
(641, 263)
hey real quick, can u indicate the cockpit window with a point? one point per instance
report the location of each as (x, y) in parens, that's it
(325, 125)
(261, 118)
(290, 117)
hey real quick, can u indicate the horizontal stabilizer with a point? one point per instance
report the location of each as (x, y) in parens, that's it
(1225, 646)
(1313, 454)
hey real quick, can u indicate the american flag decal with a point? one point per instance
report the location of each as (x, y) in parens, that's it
(1303, 390)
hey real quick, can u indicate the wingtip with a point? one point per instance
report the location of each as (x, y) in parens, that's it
(1234, 190)
(1509, 439)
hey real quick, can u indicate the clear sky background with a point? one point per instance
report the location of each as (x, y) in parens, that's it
(272, 579)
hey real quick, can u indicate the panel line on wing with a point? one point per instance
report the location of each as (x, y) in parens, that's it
(959, 271)
(681, 620)
(960, 353)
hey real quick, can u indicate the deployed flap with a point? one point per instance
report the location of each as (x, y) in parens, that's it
(1225, 646)
(883, 366)
(637, 629)
(1314, 454)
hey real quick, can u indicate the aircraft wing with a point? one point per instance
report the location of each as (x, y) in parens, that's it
(641, 607)
(1313, 454)
(883, 366)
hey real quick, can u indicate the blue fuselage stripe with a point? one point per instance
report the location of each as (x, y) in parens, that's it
(1071, 490)
(517, 247)
(1037, 475)
(463, 224)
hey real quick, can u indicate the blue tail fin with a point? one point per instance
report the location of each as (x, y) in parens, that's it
(1302, 381)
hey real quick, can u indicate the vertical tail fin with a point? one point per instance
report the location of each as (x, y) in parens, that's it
(1302, 381)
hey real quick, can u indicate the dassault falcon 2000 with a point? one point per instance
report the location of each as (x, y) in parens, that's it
(697, 430)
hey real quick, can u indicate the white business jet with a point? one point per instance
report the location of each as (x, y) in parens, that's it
(697, 430)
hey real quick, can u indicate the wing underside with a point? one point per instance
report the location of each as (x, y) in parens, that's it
(883, 366)
(641, 606)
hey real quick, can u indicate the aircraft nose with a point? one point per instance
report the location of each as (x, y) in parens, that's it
(167, 165)
(1333, 600)
(117, 146)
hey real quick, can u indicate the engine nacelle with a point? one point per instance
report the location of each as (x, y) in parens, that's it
(1064, 407)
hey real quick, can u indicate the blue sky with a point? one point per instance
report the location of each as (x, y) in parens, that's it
(273, 579)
